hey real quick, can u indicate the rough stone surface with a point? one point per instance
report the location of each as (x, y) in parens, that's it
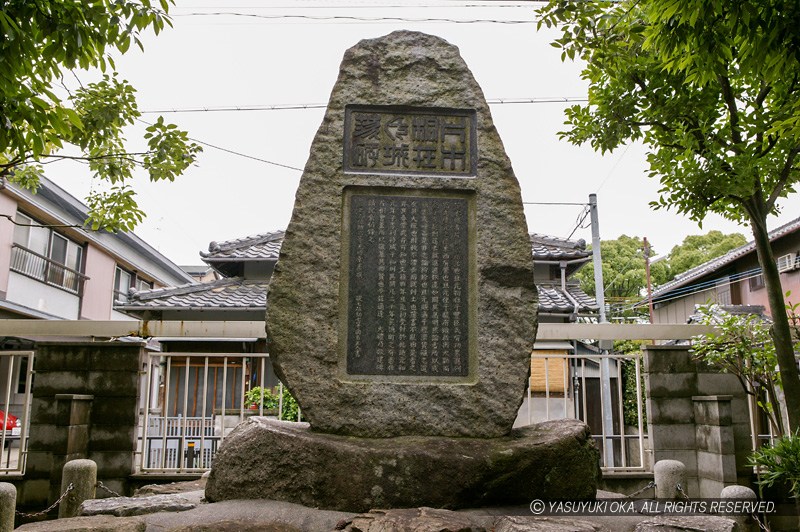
(95, 523)
(706, 523)
(738, 492)
(172, 487)
(668, 475)
(546, 524)
(305, 311)
(419, 520)
(276, 516)
(264, 458)
(126, 506)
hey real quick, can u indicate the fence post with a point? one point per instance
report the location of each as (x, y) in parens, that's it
(8, 504)
(82, 474)
(668, 475)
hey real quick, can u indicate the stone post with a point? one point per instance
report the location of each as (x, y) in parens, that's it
(8, 504)
(741, 493)
(668, 475)
(716, 454)
(82, 474)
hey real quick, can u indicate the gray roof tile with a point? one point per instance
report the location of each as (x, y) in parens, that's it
(553, 248)
(235, 292)
(553, 299)
(258, 247)
(715, 264)
(231, 293)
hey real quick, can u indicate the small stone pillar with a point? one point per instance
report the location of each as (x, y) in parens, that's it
(740, 493)
(668, 475)
(8, 505)
(82, 474)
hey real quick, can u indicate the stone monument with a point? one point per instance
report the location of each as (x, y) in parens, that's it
(402, 311)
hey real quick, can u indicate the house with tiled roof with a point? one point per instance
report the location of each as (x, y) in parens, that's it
(732, 279)
(244, 266)
(561, 300)
(555, 260)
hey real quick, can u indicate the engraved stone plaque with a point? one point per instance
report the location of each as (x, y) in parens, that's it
(407, 285)
(410, 140)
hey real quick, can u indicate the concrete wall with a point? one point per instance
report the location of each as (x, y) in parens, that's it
(687, 423)
(105, 432)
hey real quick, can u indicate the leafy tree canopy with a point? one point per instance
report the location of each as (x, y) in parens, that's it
(624, 273)
(697, 249)
(624, 263)
(711, 87)
(44, 42)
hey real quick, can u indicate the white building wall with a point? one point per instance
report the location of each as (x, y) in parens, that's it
(42, 297)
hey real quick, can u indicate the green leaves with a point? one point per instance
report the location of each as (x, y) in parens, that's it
(170, 151)
(743, 347)
(39, 41)
(711, 87)
(780, 463)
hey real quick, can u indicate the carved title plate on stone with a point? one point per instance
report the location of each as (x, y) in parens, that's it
(407, 260)
(410, 140)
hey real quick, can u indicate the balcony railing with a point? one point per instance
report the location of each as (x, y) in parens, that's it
(41, 268)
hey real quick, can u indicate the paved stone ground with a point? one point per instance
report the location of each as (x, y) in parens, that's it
(276, 516)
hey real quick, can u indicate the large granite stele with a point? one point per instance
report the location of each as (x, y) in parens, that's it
(402, 310)
(409, 81)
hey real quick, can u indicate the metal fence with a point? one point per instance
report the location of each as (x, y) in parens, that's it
(570, 386)
(16, 368)
(192, 402)
(41, 268)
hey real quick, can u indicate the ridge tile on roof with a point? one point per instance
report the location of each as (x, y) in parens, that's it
(263, 246)
(546, 247)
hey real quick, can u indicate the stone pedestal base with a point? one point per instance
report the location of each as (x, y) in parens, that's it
(268, 459)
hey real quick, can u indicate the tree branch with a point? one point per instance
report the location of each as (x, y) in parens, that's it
(733, 112)
(762, 94)
(783, 177)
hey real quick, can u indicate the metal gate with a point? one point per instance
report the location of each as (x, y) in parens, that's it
(192, 401)
(16, 375)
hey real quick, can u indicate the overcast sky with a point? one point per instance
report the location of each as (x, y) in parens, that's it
(222, 55)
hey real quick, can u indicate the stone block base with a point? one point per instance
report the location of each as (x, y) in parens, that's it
(268, 459)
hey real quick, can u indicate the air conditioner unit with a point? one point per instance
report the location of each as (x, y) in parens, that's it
(786, 262)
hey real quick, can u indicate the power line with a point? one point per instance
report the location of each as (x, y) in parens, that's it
(371, 6)
(299, 106)
(614, 167)
(13, 221)
(233, 152)
(702, 287)
(227, 150)
(552, 203)
(580, 220)
(353, 18)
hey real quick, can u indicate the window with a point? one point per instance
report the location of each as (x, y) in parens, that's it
(123, 281)
(43, 254)
(141, 284)
(756, 282)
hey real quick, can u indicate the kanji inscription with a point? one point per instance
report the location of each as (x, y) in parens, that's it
(417, 140)
(408, 284)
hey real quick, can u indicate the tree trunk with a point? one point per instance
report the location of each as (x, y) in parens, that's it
(781, 332)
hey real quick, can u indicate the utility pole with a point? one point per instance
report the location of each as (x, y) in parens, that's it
(647, 273)
(605, 365)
